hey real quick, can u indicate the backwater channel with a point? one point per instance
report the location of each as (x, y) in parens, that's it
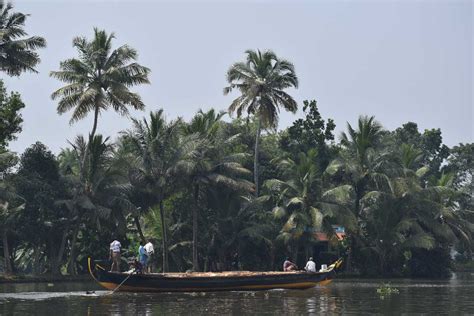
(454, 296)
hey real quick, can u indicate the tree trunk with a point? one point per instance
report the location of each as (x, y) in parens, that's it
(86, 152)
(349, 255)
(255, 162)
(136, 219)
(36, 261)
(6, 253)
(165, 238)
(295, 255)
(195, 228)
(272, 259)
(56, 264)
(71, 266)
(94, 127)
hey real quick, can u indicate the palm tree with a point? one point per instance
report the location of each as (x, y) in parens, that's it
(8, 214)
(205, 164)
(363, 166)
(9, 218)
(298, 201)
(411, 216)
(99, 79)
(17, 54)
(98, 194)
(362, 163)
(156, 149)
(261, 81)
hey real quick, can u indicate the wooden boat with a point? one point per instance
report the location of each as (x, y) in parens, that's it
(210, 281)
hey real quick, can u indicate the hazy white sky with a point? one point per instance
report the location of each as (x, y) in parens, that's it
(398, 60)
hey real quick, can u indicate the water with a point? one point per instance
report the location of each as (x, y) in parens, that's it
(345, 296)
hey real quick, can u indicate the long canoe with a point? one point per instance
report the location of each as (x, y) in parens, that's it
(210, 281)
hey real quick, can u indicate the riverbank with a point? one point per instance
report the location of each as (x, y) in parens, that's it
(464, 267)
(43, 278)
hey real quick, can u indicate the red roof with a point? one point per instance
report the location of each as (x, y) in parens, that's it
(324, 237)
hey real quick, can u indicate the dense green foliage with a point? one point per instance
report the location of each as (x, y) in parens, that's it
(179, 182)
(404, 199)
(10, 117)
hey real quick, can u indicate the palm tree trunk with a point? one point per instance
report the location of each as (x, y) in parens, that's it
(71, 266)
(195, 228)
(165, 238)
(136, 219)
(94, 127)
(55, 268)
(349, 255)
(36, 260)
(91, 136)
(295, 254)
(255, 162)
(6, 253)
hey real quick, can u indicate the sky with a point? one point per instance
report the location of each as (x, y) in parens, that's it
(397, 60)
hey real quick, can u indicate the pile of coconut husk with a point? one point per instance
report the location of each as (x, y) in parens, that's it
(227, 274)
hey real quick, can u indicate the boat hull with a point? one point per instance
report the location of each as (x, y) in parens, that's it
(190, 282)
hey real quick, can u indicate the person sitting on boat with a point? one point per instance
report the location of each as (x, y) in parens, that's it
(310, 265)
(142, 256)
(289, 266)
(114, 255)
(135, 266)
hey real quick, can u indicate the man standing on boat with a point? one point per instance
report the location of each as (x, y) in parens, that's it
(115, 247)
(310, 265)
(142, 256)
(149, 251)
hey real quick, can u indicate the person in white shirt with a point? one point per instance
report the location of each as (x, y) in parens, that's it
(310, 265)
(115, 247)
(149, 250)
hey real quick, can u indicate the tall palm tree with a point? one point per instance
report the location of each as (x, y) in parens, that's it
(98, 196)
(298, 201)
(17, 54)
(363, 165)
(262, 80)
(99, 79)
(205, 164)
(155, 144)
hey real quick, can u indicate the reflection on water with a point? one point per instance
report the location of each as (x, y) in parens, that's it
(342, 296)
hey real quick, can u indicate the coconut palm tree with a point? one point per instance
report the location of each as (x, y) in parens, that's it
(155, 145)
(99, 79)
(17, 53)
(262, 80)
(411, 216)
(205, 164)
(298, 201)
(362, 163)
(98, 194)
(363, 167)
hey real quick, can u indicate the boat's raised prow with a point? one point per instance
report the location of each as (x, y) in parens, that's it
(210, 281)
